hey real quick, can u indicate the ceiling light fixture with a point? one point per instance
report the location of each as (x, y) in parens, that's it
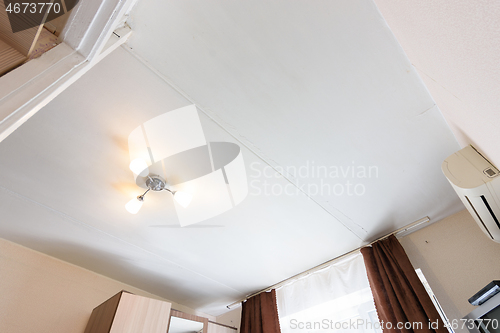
(208, 176)
(156, 184)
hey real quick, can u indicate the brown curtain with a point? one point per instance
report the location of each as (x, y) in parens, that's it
(260, 314)
(400, 298)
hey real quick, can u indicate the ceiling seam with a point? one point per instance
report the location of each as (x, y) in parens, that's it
(74, 220)
(191, 100)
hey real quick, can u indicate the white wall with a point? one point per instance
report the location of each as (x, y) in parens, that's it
(455, 47)
(39, 293)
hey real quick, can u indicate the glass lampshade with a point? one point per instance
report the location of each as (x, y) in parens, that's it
(134, 205)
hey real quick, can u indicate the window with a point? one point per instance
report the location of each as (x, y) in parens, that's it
(434, 299)
(337, 298)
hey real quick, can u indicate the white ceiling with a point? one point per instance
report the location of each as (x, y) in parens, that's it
(294, 84)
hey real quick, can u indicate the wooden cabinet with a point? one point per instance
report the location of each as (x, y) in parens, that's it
(128, 313)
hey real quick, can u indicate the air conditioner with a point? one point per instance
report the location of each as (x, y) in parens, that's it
(477, 183)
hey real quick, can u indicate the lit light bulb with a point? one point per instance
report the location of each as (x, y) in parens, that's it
(183, 198)
(139, 167)
(134, 205)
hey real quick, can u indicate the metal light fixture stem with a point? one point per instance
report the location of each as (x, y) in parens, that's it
(141, 197)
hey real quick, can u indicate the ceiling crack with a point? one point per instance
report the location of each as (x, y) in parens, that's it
(421, 113)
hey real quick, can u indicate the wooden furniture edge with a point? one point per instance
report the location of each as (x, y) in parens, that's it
(99, 310)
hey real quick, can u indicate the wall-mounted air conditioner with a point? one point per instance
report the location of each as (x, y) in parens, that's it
(477, 183)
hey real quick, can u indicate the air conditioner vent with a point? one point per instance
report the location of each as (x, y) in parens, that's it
(479, 217)
(490, 210)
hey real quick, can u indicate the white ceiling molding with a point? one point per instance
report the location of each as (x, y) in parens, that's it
(88, 38)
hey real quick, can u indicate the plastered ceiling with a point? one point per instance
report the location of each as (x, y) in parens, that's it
(341, 141)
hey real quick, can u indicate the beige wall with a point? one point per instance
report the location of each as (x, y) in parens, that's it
(215, 328)
(231, 318)
(457, 259)
(455, 47)
(42, 294)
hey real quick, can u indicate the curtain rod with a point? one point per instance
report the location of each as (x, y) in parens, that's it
(329, 262)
